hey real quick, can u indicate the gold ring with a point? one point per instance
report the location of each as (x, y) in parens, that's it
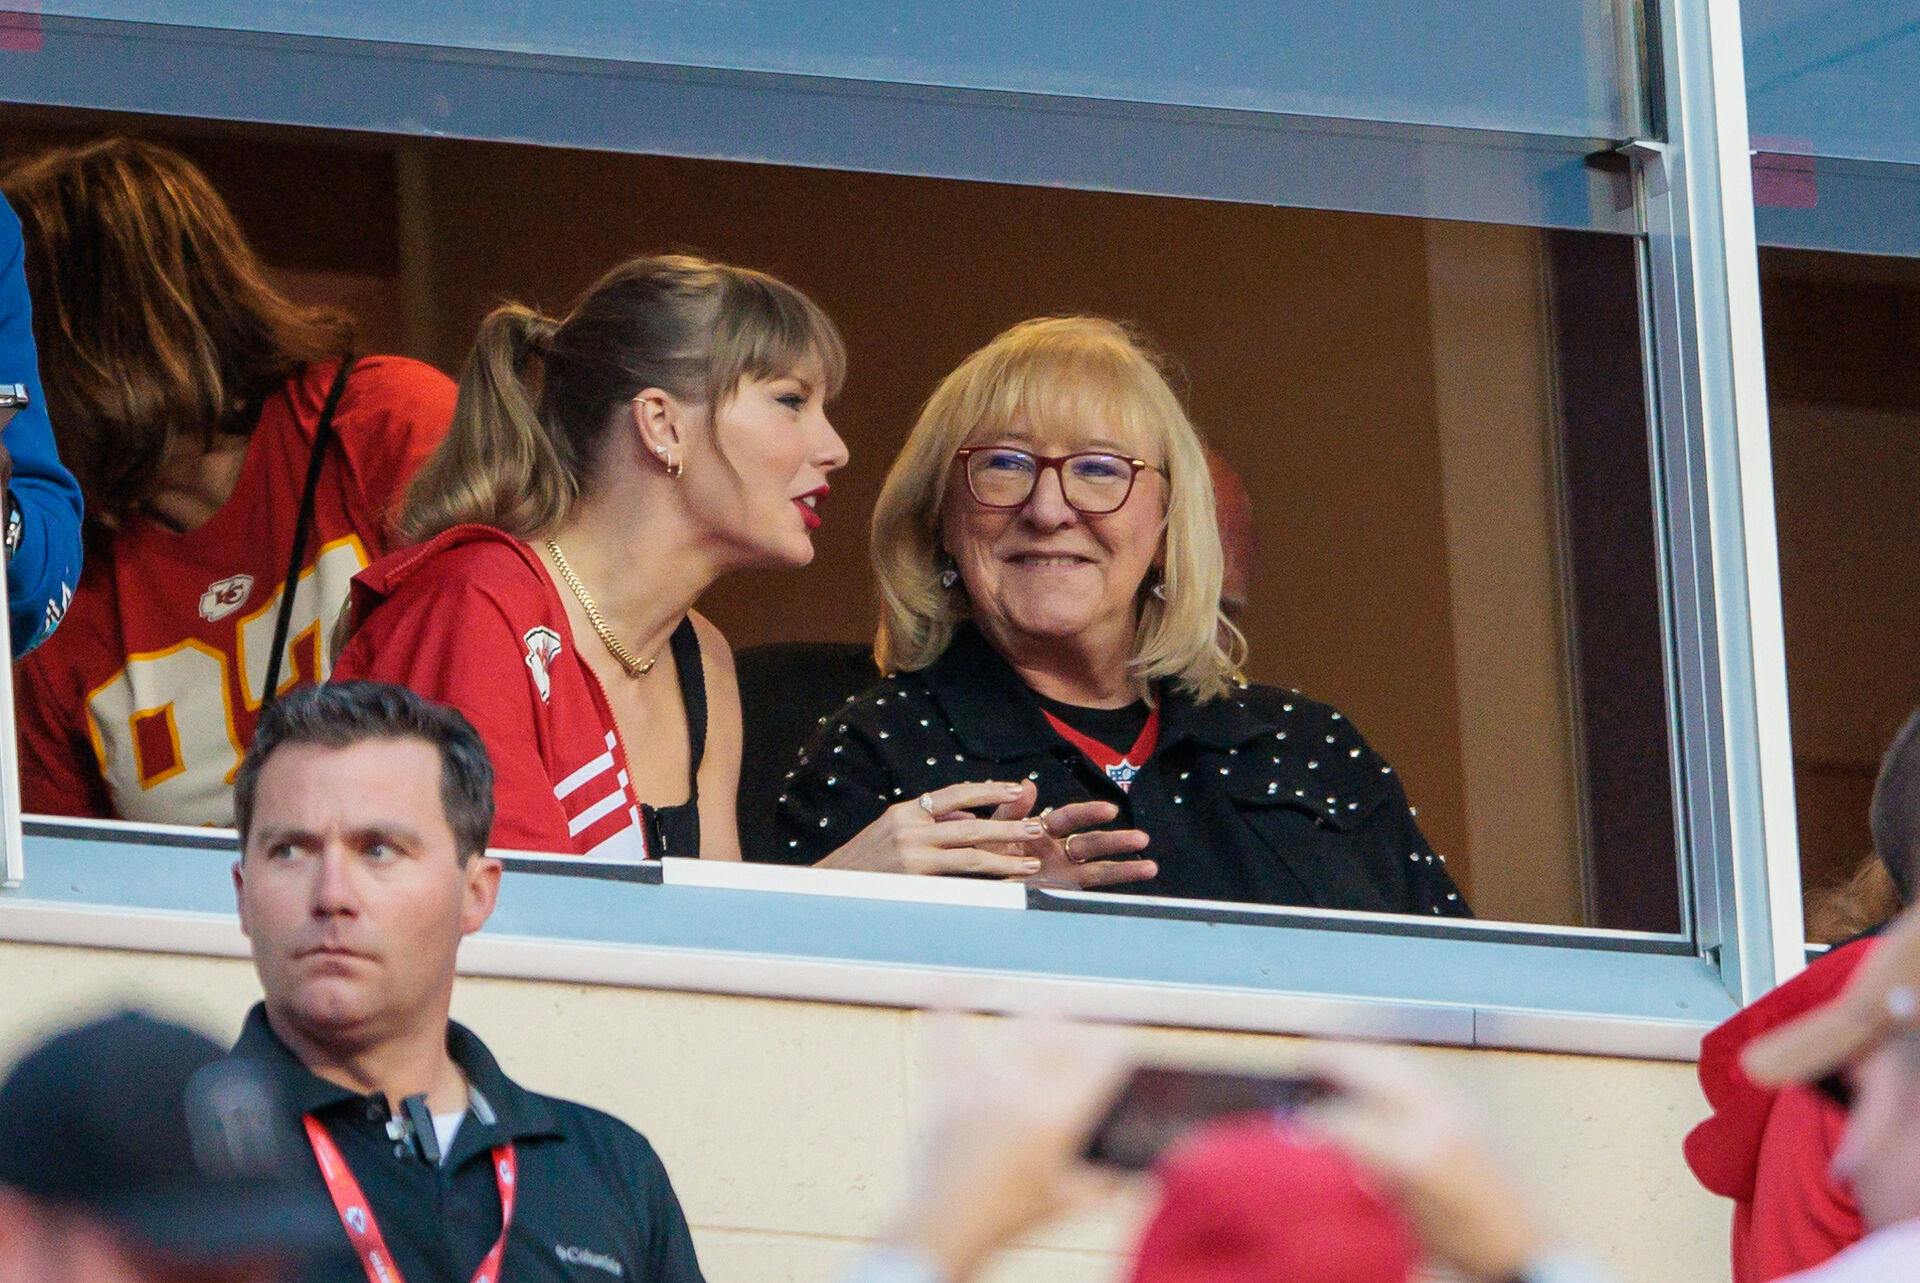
(1066, 844)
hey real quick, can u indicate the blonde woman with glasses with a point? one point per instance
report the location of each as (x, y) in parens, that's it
(1050, 569)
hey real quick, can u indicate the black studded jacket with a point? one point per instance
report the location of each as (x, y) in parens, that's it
(1262, 796)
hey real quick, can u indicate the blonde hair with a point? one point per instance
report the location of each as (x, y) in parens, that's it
(1864, 899)
(538, 395)
(1058, 371)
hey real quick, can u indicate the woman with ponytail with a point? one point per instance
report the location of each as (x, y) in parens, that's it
(602, 471)
(229, 447)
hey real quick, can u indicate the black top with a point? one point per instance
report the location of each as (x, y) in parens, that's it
(592, 1193)
(784, 689)
(675, 830)
(1261, 796)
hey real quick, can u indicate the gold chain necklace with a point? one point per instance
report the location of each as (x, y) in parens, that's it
(635, 666)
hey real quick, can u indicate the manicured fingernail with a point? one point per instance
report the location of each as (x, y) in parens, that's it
(1034, 829)
(1031, 866)
(1011, 790)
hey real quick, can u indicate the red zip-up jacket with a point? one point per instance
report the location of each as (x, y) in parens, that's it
(471, 619)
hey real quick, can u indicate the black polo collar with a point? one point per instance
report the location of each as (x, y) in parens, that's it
(516, 1113)
(992, 712)
(995, 715)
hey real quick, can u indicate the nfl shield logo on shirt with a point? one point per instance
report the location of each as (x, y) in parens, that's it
(1122, 773)
(543, 645)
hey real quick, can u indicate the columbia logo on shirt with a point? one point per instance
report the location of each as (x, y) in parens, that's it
(591, 1259)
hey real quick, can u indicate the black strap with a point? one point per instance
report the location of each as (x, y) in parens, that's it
(303, 529)
(693, 692)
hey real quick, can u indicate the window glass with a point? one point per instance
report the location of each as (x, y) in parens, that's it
(1844, 402)
(1546, 66)
(1442, 426)
(1833, 78)
(1835, 123)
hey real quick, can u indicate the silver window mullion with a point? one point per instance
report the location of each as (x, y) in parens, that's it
(1734, 767)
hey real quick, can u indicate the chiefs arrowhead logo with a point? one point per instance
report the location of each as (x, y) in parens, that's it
(543, 644)
(224, 596)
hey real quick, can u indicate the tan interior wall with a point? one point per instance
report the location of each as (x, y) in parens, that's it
(1845, 479)
(786, 1126)
(1496, 432)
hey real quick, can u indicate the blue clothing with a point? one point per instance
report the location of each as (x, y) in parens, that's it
(45, 571)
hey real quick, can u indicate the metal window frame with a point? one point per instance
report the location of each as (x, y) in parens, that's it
(1705, 370)
(1726, 632)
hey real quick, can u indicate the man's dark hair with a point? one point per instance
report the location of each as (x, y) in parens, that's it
(1895, 815)
(342, 714)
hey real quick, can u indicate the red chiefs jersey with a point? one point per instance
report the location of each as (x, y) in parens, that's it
(141, 703)
(471, 619)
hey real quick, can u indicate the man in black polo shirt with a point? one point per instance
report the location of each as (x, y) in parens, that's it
(364, 812)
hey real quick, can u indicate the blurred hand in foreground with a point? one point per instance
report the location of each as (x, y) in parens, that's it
(1011, 1104)
(1466, 1211)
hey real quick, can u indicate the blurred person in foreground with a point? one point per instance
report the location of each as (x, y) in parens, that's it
(231, 449)
(1862, 1049)
(364, 812)
(1771, 1149)
(40, 524)
(1358, 1190)
(1050, 567)
(134, 1151)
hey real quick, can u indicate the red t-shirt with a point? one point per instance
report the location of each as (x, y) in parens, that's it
(471, 619)
(141, 703)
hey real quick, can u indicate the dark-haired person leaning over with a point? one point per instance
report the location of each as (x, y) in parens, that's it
(226, 442)
(364, 812)
(1047, 549)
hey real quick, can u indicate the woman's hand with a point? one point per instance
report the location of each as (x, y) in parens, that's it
(1078, 860)
(934, 833)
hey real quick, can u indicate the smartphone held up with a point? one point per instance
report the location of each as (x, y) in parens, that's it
(1159, 1104)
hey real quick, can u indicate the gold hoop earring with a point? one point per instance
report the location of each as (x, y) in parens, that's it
(674, 469)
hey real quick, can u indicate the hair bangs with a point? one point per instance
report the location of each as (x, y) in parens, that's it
(1061, 382)
(766, 329)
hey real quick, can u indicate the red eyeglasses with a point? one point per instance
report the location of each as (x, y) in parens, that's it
(1093, 482)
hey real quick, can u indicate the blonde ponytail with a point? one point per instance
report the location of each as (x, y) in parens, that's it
(500, 465)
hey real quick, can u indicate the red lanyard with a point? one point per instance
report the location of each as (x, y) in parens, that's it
(1119, 767)
(356, 1214)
